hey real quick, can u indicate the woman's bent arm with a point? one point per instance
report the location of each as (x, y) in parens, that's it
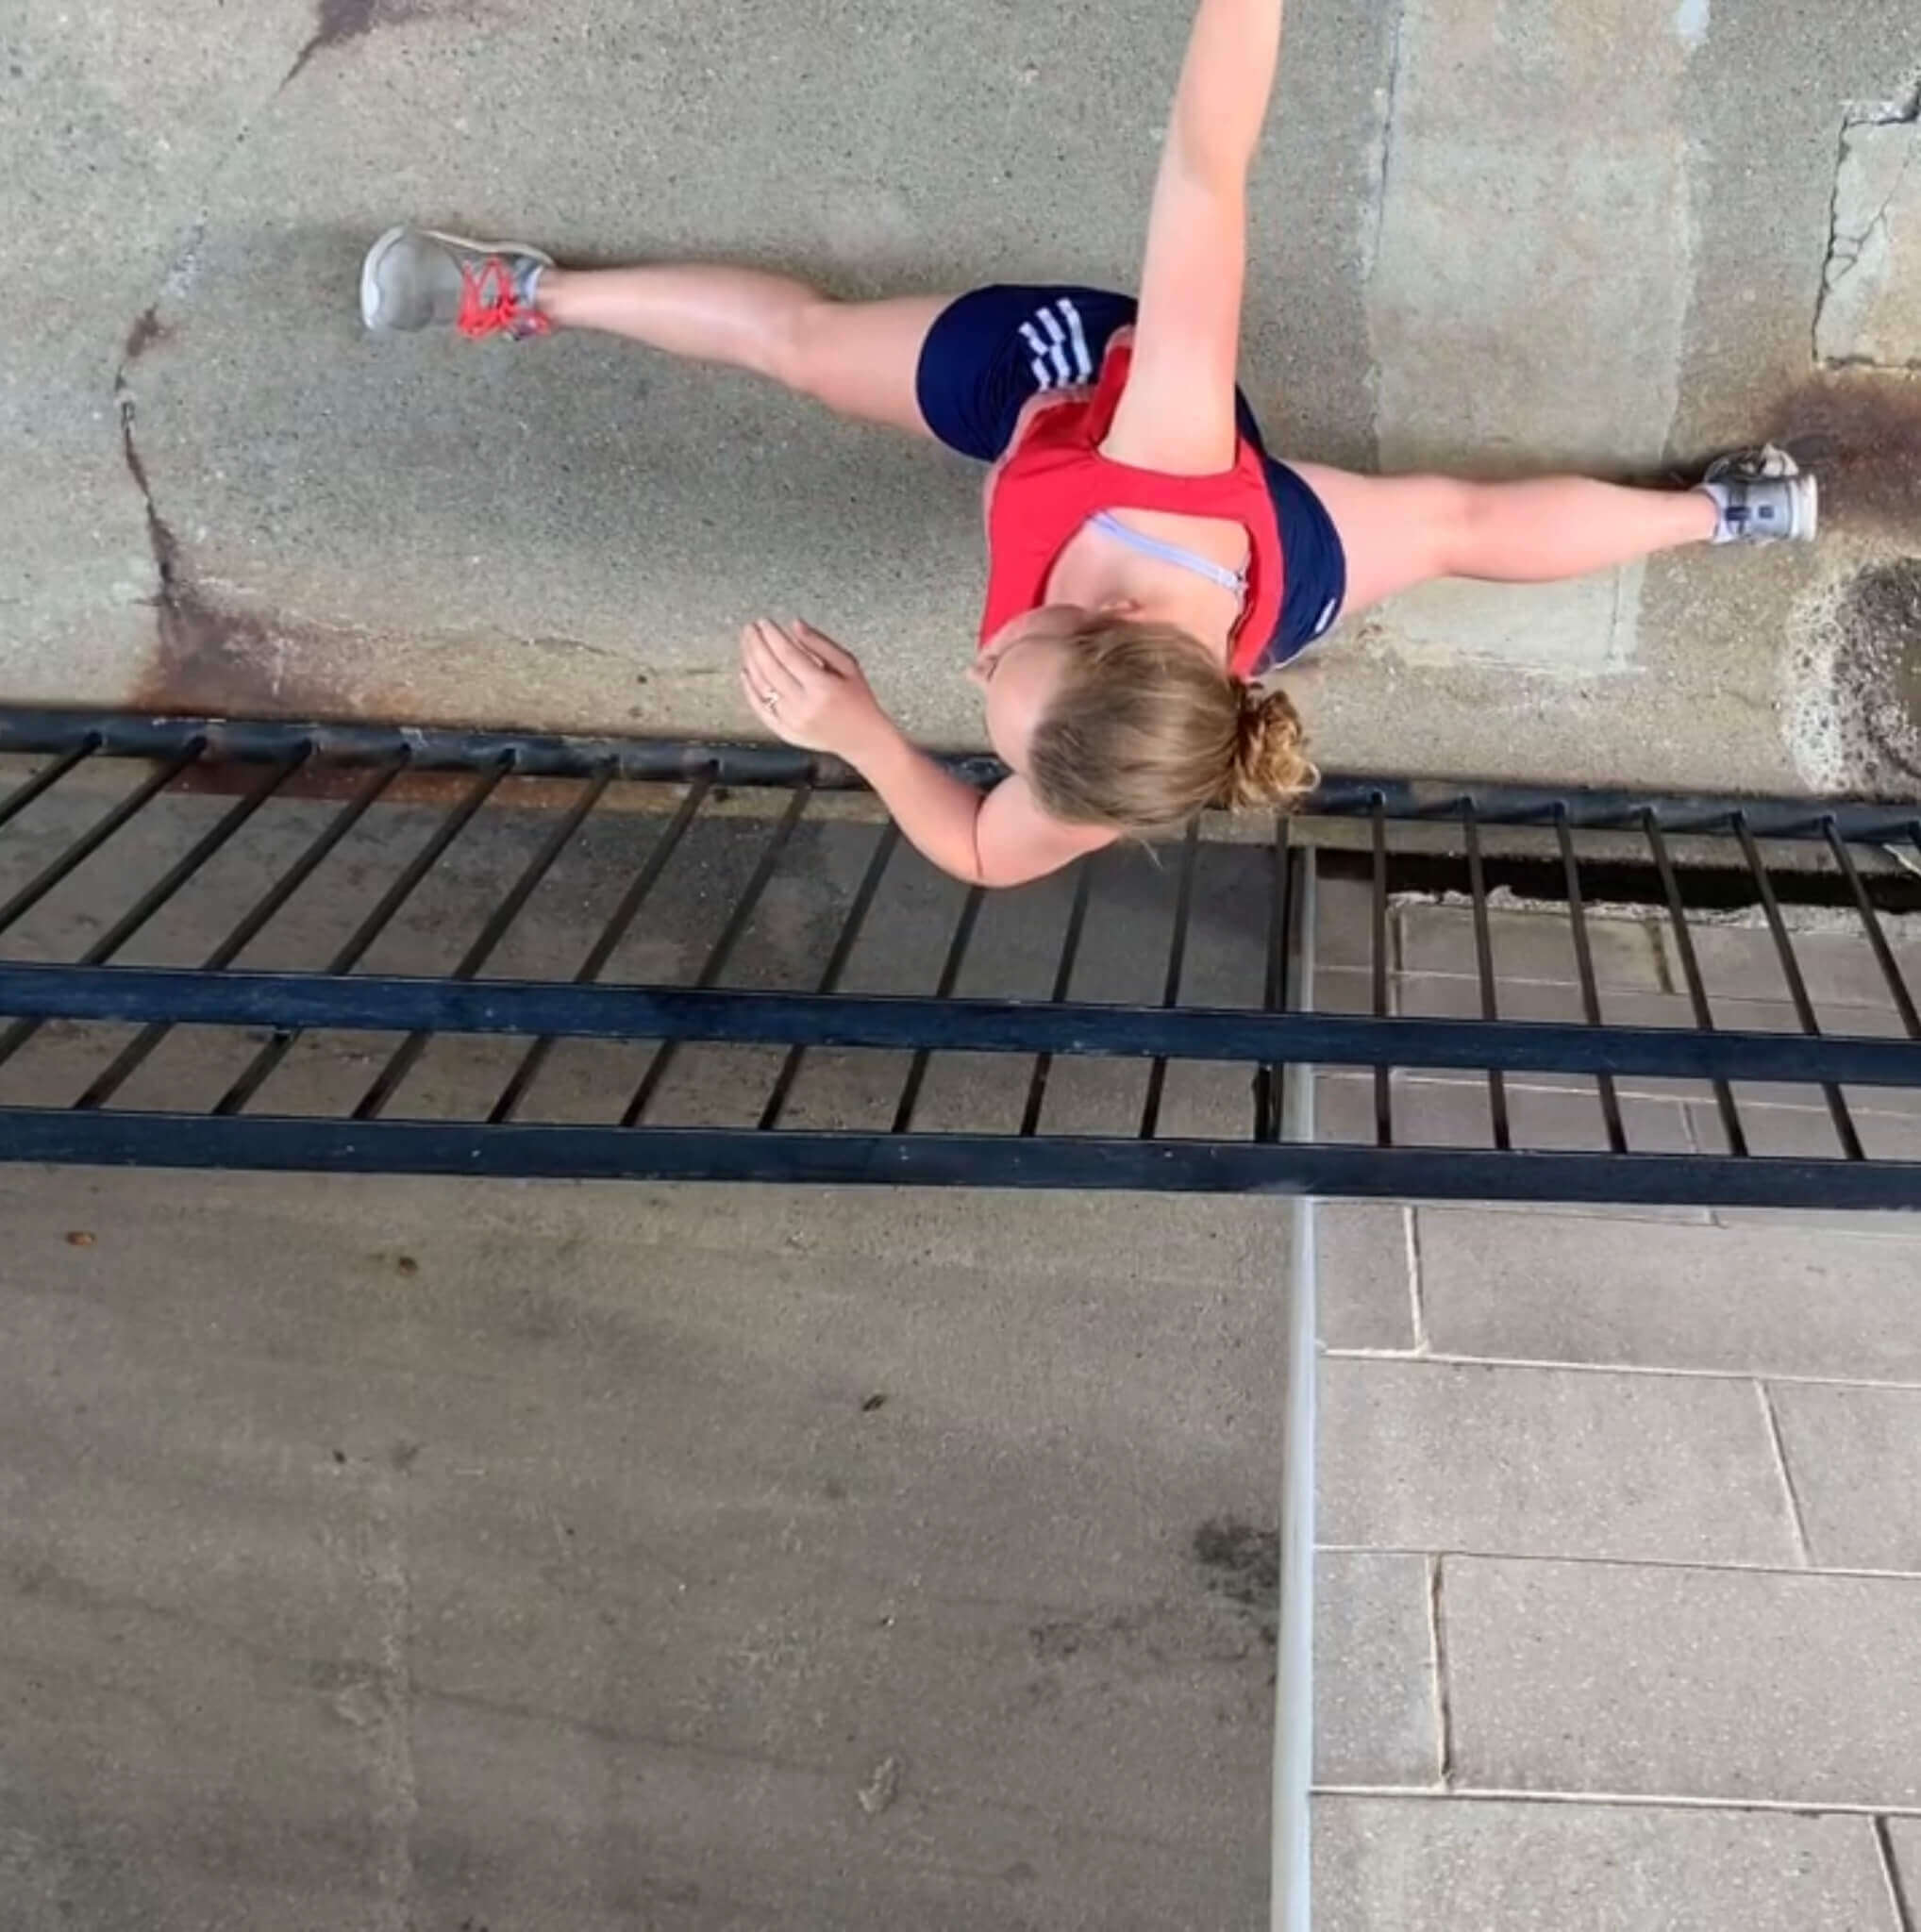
(1001, 838)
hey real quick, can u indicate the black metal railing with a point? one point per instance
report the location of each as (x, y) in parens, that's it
(257, 944)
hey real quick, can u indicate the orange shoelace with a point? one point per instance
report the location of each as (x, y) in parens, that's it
(489, 302)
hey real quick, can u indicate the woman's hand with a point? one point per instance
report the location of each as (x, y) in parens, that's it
(807, 689)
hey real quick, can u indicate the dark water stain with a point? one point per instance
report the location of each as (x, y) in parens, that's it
(147, 329)
(1860, 431)
(335, 23)
(1062, 1638)
(1242, 1564)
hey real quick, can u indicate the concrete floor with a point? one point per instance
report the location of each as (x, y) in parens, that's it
(378, 1555)
(1485, 237)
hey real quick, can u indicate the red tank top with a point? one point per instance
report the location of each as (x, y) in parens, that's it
(1054, 479)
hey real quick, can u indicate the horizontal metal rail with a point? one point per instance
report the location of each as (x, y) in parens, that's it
(943, 1022)
(558, 755)
(988, 1160)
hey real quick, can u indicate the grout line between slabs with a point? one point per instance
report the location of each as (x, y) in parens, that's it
(1890, 1875)
(1632, 1800)
(1444, 1713)
(1796, 1520)
(1416, 1300)
(1451, 1359)
(1805, 1572)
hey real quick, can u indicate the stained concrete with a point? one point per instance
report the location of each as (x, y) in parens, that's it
(1871, 293)
(375, 1553)
(1487, 238)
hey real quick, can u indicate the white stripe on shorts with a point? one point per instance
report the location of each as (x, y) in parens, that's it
(1044, 374)
(1080, 355)
(1060, 343)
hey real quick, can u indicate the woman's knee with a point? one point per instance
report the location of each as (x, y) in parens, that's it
(1448, 514)
(800, 351)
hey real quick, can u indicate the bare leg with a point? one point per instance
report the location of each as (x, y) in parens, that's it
(858, 358)
(1400, 531)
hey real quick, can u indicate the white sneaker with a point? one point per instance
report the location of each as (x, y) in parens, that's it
(1764, 497)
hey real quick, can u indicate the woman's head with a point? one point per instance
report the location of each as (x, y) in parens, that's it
(1115, 722)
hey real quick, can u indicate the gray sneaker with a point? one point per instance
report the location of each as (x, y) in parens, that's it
(1763, 497)
(414, 278)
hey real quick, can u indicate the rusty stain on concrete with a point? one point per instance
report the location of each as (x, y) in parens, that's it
(210, 657)
(1861, 432)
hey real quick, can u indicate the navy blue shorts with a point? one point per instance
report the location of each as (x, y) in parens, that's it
(990, 353)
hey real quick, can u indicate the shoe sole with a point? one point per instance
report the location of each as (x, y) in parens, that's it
(384, 244)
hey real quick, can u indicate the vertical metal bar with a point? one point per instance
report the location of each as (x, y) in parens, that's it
(370, 929)
(1584, 965)
(608, 943)
(47, 777)
(1177, 959)
(1383, 1106)
(243, 936)
(407, 1053)
(837, 964)
(1891, 971)
(1291, 1863)
(96, 835)
(169, 882)
(1064, 979)
(1484, 961)
(1271, 1081)
(950, 976)
(721, 949)
(1797, 986)
(1690, 971)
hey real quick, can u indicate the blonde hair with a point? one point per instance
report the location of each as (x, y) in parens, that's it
(1145, 730)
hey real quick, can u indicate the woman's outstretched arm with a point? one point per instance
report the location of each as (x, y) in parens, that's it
(1177, 414)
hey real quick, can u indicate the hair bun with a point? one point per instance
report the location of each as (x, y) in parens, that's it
(1271, 766)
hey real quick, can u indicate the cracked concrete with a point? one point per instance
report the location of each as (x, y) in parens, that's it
(1870, 308)
(1484, 237)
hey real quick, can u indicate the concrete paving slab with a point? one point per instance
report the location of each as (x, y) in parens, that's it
(1742, 963)
(1454, 1114)
(1777, 1298)
(1810, 1130)
(1855, 1458)
(1636, 1680)
(400, 1527)
(1535, 946)
(1427, 1867)
(1365, 1298)
(1376, 1717)
(1456, 996)
(1549, 1462)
